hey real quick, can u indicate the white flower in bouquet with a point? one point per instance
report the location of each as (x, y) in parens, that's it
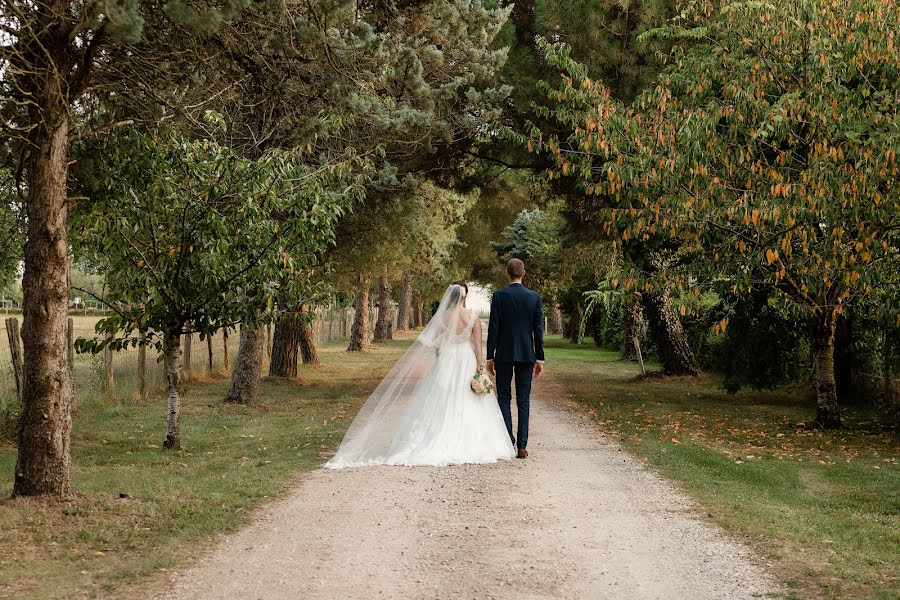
(481, 384)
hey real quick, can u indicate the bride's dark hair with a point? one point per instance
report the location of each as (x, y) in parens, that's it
(464, 286)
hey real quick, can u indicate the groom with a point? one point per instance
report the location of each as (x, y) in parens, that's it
(515, 347)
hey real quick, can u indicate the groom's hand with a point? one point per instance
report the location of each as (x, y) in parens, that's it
(490, 368)
(538, 368)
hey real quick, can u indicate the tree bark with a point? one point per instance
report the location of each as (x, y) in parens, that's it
(419, 308)
(383, 324)
(44, 464)
(359, 331)
(889, 402)
(226, 360)
(675, 353)
(172, 359)
(15, 354)
(843, 361)
(245, 377)
(70, 344)
(286, 345)
(629, 329)
(828, 414)
(209, 354)
(109, 376)
(308, 352)
(575, 324)
(405, 306)
(140, 383)
(523, 18)
(188, 352)
(556, 320)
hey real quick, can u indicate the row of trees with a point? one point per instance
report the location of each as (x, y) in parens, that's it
(231, 163)
(753, 179)
(224, 163)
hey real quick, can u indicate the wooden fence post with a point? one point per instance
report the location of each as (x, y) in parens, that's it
(225, 345)
(109, 381)
(15, 351)
(140, 383)
(186, 360)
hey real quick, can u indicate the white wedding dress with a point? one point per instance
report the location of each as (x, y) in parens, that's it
(425, 412)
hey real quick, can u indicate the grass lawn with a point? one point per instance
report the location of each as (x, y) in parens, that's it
(233, 458)
(824, 506)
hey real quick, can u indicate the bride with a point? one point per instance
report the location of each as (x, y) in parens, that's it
(424, 412)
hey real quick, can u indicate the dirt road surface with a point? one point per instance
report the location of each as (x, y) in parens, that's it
(579, 518)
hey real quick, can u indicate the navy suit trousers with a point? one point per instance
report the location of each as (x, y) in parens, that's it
(522, 372)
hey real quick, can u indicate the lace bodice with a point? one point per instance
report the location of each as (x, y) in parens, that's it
(465, 335)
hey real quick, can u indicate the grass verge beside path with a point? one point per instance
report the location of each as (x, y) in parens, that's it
(233, 458)
(824, 506)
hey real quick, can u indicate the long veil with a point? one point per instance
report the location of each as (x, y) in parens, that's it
(386, 413)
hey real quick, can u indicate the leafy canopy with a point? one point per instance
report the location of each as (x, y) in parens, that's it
(196, 238)
(766, 154)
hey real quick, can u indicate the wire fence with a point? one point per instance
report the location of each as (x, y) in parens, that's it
(116, 373)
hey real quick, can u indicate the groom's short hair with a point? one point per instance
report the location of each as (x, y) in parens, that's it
(515, 268)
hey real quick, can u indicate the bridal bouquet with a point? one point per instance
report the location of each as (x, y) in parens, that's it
(481, 384)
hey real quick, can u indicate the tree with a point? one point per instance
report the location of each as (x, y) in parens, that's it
(51, 53)
(535, 237)
(410, 84)
(766, 154)
(413, 232)
(198, 239)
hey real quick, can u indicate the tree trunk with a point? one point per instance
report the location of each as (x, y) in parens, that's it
(15, 354)
(209, 354)
(675, 353)
(188, 352)
(629, 329)
(556, 321)
(359, 331)
(404, 309)
(44, 464)
(140, 383)
(269, 340)
(524, 19)
(245, 377)
(70, 344)
(286, 345)
(109, 382)
(889, 402)
(383, 324)
(308, 352)
(226, 360)
(843, 361)
(419, 308)
(172, 358)
(575, 324)
(828, 415)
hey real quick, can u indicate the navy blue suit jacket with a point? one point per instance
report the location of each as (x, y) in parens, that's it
(516, 328)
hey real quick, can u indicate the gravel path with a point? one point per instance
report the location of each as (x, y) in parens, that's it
(578, 519)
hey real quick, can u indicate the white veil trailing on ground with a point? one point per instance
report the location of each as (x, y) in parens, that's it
(386, 413)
